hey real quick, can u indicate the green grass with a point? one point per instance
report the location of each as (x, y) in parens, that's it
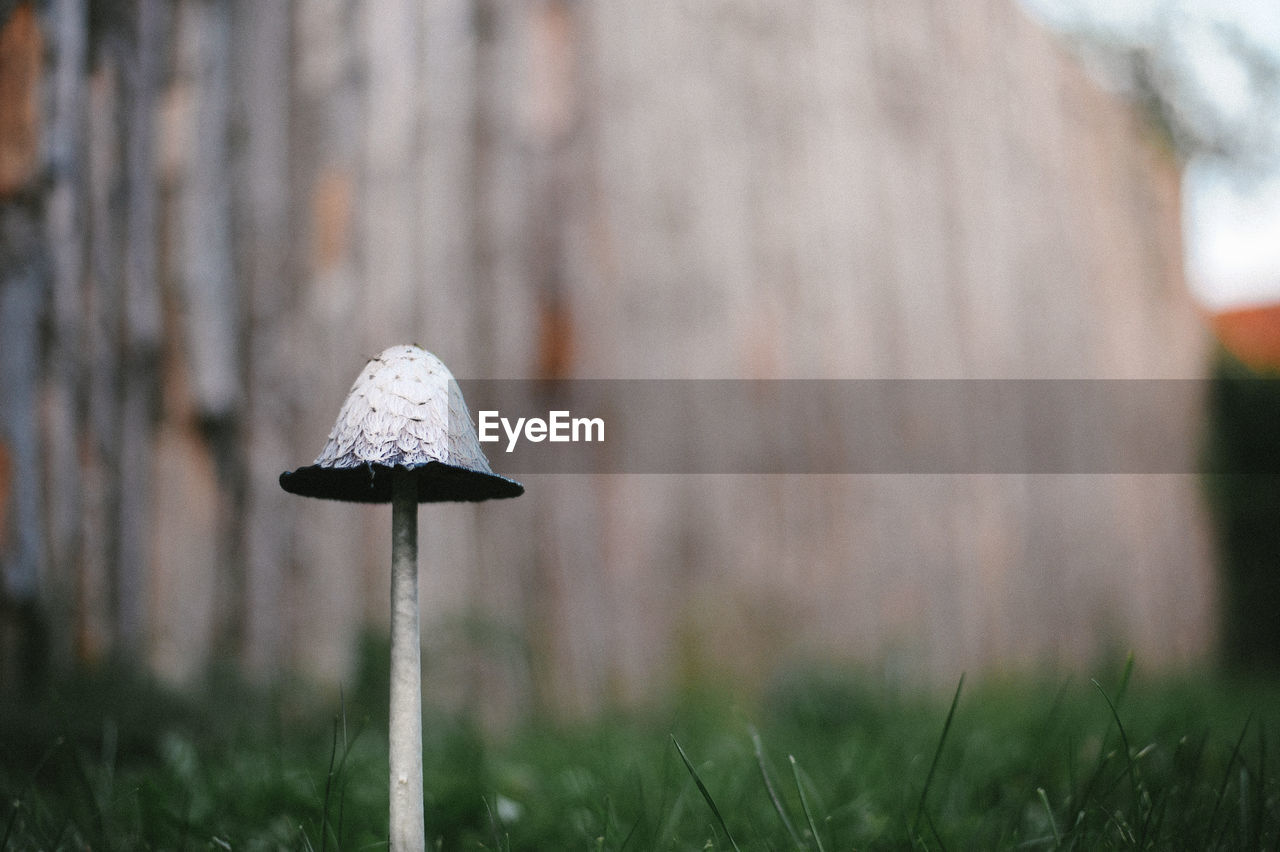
(820, 761)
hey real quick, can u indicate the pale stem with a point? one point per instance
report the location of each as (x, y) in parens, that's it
(407, 829)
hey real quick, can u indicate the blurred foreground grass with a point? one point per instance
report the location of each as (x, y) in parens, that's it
(822, 761)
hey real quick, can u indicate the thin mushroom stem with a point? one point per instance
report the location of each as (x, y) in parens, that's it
(407, 826)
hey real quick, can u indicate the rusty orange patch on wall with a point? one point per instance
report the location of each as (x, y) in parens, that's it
(555, 339)
(1252, 335)
(21, 46)
(331, 217)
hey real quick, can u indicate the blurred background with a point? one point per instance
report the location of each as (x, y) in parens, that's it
(214, 211)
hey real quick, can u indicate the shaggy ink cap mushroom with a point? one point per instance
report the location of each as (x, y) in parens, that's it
(404, 437)
(404, 411)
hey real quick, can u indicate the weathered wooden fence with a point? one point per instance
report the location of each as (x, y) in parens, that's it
(220, 208)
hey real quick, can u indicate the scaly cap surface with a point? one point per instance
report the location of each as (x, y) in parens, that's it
(404, 410)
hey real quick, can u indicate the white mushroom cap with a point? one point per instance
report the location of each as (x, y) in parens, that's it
(404, 410)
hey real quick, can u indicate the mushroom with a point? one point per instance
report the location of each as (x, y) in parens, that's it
(404, 436)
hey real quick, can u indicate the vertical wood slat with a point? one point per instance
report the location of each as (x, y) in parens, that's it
(209, 321)
(98, 535)
(206, 272)
(388, 40)
(21, 495)
(22, 557)
(263, 202)
(328, 592)
(22, 549)
(140, 346)
(65, 366)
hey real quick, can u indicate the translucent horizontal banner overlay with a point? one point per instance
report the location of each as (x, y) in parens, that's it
(867, 426)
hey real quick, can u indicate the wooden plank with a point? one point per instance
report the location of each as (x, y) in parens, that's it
(99, 534)
(263, 204)
(64, 369)
(445, 73)
(206, 270)
(389, 35)
(22, 554)
(139, 313)
(331, 548)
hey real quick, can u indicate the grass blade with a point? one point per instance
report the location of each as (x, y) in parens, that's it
(937, 753)
(325, 826)
(1131, 769)
(706, 794)
(1260, 803)
(933, 829)
(773, 794)
(1125, 678)
(804, 804)
(1053, 823)
(497, 829)
(1226, 777)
